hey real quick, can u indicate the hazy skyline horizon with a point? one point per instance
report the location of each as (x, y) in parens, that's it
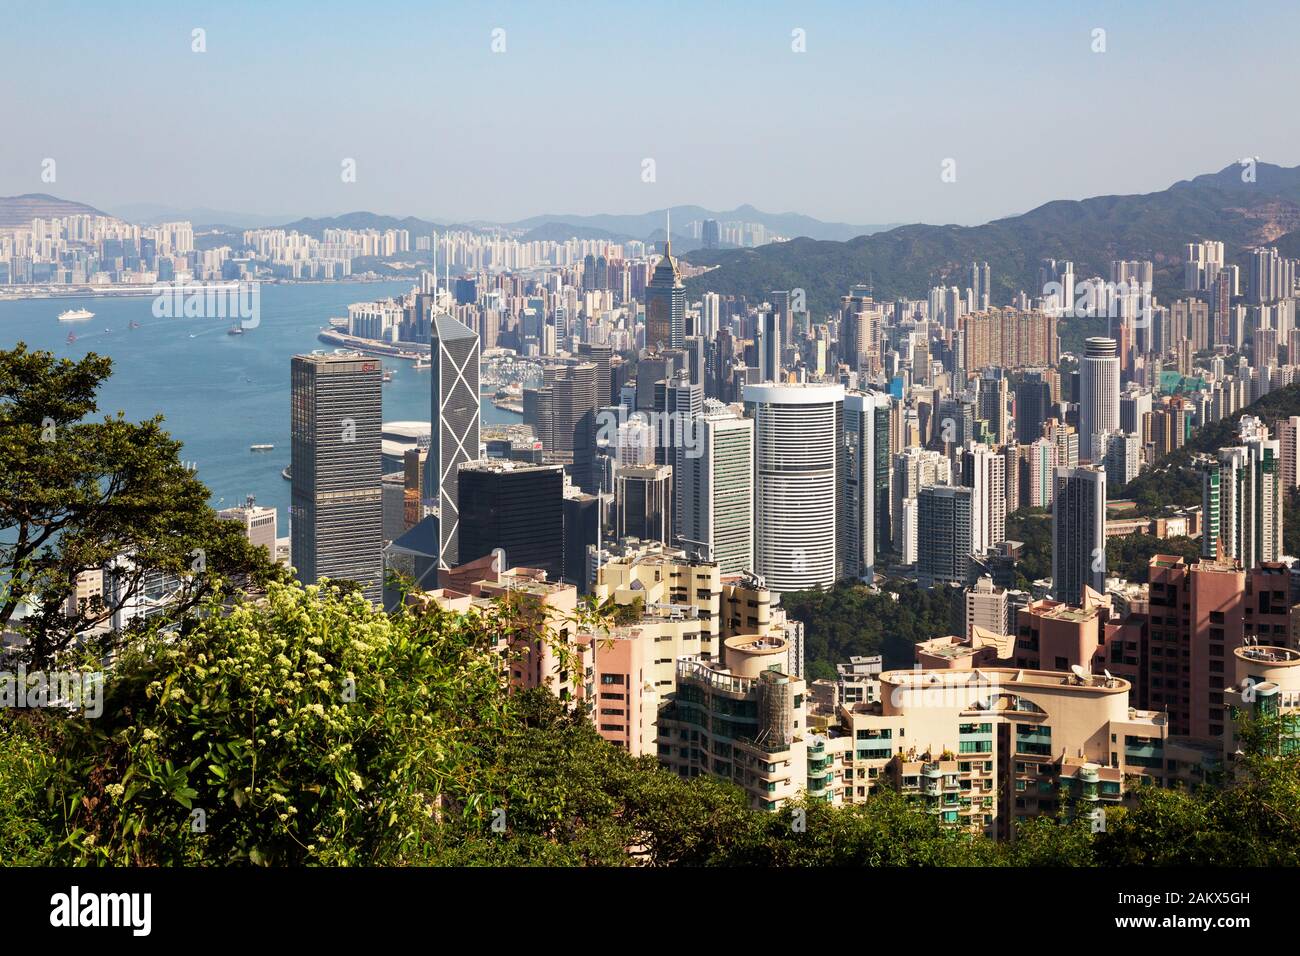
(562, 121)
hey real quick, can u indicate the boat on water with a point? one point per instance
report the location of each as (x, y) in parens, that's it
(388, 375)
(235, 330)
(134, 324)
(72, 337)
(76, 315)
(286, 474)
(260, 447)
(421, 363)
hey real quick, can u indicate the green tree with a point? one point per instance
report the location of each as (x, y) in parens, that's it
(77, 494)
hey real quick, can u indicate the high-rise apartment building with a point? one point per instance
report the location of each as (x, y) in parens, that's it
(337, 516)
(1241, 498)
(865, 464)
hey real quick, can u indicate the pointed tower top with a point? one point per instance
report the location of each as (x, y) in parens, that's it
(668, 232)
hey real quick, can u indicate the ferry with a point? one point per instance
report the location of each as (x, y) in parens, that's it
(76, 315)
(260, 447)
(388, 375)
(235, 330)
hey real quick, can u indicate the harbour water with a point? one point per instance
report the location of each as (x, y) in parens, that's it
(218, 393)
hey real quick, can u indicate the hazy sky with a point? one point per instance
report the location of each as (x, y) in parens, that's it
(854, 129)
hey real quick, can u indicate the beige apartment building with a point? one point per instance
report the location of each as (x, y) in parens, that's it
(987, 747)
(742, 719)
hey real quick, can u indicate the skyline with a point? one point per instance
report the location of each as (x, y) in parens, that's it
(934, 87)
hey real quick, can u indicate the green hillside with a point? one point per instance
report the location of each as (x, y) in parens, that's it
(908, 260)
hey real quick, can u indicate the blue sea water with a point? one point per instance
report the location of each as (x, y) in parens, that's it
(217, 393)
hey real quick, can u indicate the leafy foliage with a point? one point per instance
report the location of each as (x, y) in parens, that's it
(77, 494)
(850, 619)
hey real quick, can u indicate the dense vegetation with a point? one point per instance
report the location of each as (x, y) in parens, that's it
(307, 728)
(851, 619)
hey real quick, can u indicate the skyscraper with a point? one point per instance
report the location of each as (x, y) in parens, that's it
(643, 503)
(337, 498)
(665, 303)
(797, 436)
(769, 346)
(1099, 393)
(862, 496)
(516, 507)
(715, 488)
(1078, 532)
(455, 426)
(1033, 401)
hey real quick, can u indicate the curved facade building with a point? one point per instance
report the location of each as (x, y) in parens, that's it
(797, 439)
(1098, 392)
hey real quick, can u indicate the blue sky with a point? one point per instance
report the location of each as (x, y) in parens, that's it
(854, 129)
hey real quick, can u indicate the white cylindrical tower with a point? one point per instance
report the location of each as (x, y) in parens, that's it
(797, 431)
(1098, 392)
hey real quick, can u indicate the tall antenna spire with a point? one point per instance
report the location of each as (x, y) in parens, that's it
(668, 231)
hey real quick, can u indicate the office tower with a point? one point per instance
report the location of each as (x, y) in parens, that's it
(1241, 498)
(455, 423)
(337, 524)
(711, 234)
(581, 531)
(986, 608)
(982, 472)
(785, 318)
(1099, 392)
(515, 507)
(914, 468)
(665, 304)
(769, 346)
(715, 489)
(258, 522)
(643, 503)
(573, 406)
(634, 442)
(945, 534)
(863, 494)
(797, 436)
(991, 406)
(600, 355)
(1033, 407)
(1078, 532)
(980, 285)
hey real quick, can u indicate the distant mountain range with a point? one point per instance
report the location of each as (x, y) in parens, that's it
(21, 210)
(908, 260)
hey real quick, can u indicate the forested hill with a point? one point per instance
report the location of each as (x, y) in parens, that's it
(908, 260)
